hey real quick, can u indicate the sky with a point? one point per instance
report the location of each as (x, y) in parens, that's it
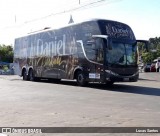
(20, 17)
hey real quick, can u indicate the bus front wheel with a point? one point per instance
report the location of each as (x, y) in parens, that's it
(81, 79)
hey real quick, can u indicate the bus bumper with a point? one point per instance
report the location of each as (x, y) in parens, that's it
(111, 76)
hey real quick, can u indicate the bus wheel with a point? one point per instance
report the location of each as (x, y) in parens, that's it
(25, 77)
(109, 83)
(81, 79)
(31, 75)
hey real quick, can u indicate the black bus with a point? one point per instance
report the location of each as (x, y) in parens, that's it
(97, 50)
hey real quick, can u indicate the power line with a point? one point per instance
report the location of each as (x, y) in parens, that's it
(70, 10)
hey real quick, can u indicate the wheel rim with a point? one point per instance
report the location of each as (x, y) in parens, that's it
(80, 78)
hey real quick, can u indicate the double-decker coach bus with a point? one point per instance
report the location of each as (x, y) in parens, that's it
(98, 50)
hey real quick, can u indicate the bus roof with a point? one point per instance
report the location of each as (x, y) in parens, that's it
(69, 25)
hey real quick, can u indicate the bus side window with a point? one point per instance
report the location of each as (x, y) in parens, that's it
(90, 50)
(94, 50)
(79, 50)
(99, 50)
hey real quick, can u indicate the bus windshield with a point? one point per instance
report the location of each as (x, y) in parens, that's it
(122, 54)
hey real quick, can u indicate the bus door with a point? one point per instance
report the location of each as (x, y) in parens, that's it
(95, 54)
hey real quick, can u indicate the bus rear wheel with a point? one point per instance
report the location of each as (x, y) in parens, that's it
(31, 75)
(81, 79)
(24, 75)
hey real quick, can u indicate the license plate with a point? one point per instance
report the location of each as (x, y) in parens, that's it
(125, 79)
(94, 75)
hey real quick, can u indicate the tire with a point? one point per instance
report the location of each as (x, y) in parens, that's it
(25, 77)
(31, 75)
(81, 79)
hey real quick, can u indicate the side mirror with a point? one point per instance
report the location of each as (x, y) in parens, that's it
(146, 43)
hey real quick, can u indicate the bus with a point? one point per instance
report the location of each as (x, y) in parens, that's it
(97, 50)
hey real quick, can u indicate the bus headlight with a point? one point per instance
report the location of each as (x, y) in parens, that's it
(111, 72)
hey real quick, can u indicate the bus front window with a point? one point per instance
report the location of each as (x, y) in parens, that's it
(122, 54)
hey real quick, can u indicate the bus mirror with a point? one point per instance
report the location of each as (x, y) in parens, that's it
(109, 43)
(146, 44)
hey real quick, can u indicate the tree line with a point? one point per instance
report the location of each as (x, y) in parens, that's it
(6, 53)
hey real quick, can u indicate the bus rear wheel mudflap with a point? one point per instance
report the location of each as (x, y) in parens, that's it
(81, 81)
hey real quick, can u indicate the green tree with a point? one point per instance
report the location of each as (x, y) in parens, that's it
(154, 50)
(155, 43)
(147, 57)
(6, 53)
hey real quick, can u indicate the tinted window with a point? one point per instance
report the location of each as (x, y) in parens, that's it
(94, 50)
